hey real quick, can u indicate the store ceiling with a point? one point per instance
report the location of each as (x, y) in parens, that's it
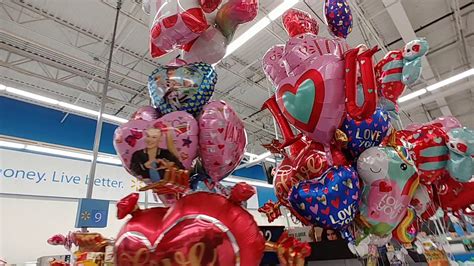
(59, 49)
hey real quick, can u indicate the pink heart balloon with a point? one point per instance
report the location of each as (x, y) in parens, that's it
(222, 139)
(315, 68)
(273, 66)
(144, 146)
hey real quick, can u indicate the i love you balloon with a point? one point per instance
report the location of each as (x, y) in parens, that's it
(222, 139)
(331, 201)
(144, 147)
(390, 180)
(182, 87)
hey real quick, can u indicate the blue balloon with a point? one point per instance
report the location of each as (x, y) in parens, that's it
(331, 201)
(461, 154)
(186, 88)
(366, 133)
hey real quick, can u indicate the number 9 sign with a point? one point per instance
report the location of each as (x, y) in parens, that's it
(92, 213)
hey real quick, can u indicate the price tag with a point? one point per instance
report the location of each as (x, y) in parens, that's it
(92, 213)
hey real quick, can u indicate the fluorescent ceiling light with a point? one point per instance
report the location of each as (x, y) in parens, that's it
(412, 95)
(9, 144)
(257, 183)
(65, 105)
(109, 159)
(270, 160)
(437, 85)
(259, 26)
(450, 80)
(64, 153)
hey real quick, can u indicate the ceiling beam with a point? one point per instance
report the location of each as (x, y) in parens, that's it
(400, 18)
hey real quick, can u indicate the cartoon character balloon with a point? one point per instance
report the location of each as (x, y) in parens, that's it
(461, 154)
(182, 87)
(397, 69)
(390, 180)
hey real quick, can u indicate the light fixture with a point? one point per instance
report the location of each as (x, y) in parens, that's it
(437, 85)
(13, 145)
(58, 152)
(109, 159)
(259, 26)
(65, 105)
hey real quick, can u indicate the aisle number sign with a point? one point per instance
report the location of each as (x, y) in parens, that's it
(92, 213)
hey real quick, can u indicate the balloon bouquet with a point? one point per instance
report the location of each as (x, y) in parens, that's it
(185, 144)
(353, 168)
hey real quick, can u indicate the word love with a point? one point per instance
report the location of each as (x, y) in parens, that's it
(390, 206)
(368, 137)
(344, 216)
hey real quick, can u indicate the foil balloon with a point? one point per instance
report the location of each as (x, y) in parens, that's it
(444, 122)
(405, 232)
(311, 162)
(360, 58)
(284, 179)
(222, 139)
(423, 202)
(297, 22)
(283, 124)
(209, 48)
(338, 17)
(233, 13)
(147, 113)
(429, 151)
(332, 201)
(312, 97)
(390, 180)
(175, 24)
(191, 233)
(363, 134)
(397, 69)
(461, 154)
(182, 87)
(146, 148)
(453, 195)
(273, 66)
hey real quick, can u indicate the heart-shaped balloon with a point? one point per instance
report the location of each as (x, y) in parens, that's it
(312, 97)
(273, 66)
(284, 179)
(390, 180)
(311, 162)
(146, 146)
(332, 201)
(365, 133)
(222, 139)
(338, 17)
(453, 195)
(191, 233)
(182, 87)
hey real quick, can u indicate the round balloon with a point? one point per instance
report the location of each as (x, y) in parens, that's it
(338, 17)
(297, 22)
(365, 133)
(219, 233)
(184, 87)
(148, 148)
(390, 180)
(222, 139)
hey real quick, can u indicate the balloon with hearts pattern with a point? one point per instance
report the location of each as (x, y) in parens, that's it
(390, 181)
(222, 139)
(332, 201)
(365, 133)
(146, 147)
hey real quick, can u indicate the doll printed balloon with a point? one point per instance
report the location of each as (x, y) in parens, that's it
(182, 87)
(366, 133)
(222, 139)
(338, 17)
(390, 180)
(146, 148)
(331, 201)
